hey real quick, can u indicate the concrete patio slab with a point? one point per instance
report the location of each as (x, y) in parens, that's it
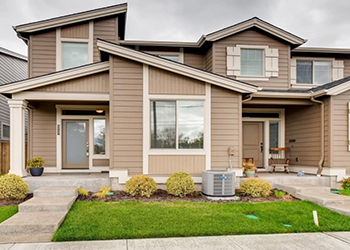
(56, 191)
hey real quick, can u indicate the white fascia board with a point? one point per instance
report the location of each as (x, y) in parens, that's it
(69, 19)
(322, 50)
(282, 95)
(159, 43)
(339, 89)
(60, 76)
(259, 24)
(175, 67)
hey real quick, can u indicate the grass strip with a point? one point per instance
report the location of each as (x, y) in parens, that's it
(131, 220)
(7, 212)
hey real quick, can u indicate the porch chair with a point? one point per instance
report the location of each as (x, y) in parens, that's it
(279, 158)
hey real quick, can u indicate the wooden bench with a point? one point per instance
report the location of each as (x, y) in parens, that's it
(279, 158)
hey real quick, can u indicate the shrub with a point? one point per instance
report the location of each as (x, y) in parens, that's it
(12, 187)
(83, 192)
(140, 185)
(103, 192)
(36, 162)
(280, 193)
(180, 184)
(346, 183)
(256, 187)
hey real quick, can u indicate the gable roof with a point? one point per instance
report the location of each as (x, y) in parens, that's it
(254, 22)
(13, 54)
(24, 29)
(175, 67)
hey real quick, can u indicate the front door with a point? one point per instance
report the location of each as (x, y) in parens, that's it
(253, 142)
(75, 147)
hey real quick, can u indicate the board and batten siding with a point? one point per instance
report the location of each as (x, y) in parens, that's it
(167, 83)
(303, 124)
(126, 120)
(339, 150)
(98, 83)
(80, 31)
(106, 29)
(225, 127)
(168, 164)
(44, 133)
(194, 60)
(42, 53)
(253, 37)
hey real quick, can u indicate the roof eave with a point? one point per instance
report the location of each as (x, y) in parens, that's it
(175, 67)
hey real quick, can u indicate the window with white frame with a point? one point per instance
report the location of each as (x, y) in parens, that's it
(252, 62)
(257, 62)
(175, 58)
(177, 124)
(74, 54)
(313, 72)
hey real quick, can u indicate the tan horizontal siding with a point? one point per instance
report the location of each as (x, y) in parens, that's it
(252, 37)
(208, 60)
(163, 82)
(100, 162)
(43, 54)
(225, 126)
(341, 155)
(327, 154)
(126, 115)
(303, 124)
(98, 83)
(346, 66)
(106, 29)
(194, 60)
(76, 31)
(168, 164)
(44, 133)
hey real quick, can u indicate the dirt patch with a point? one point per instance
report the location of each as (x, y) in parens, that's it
(162, 195)
(6, 203)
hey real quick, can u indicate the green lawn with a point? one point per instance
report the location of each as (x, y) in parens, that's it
(7, 212)
(128, 220)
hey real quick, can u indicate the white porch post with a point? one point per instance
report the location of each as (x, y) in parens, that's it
(17, 137)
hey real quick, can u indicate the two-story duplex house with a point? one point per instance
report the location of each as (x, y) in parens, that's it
(101, 103)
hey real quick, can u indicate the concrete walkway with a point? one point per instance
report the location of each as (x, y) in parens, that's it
(320, 195)
(38, 218)
(305, 241)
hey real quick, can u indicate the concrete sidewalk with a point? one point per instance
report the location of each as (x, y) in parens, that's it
(305, 241)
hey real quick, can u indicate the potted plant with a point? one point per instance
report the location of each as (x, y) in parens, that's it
(249, 169)
(36, 166)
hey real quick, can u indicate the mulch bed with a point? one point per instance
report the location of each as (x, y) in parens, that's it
(5, 203)
(162, 195)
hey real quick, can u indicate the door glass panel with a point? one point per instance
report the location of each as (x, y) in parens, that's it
(99, 136)
(76, 142)
(274, 134)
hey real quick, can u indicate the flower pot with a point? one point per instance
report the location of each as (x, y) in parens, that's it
(250, 173)
(36, 171)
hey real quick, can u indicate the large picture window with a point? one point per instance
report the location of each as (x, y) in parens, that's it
(313, 72)
(74, 54)
(177, 124)
(252, 62)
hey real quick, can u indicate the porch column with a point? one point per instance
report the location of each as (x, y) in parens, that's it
(17, 136)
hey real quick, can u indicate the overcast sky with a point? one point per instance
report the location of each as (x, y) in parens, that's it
(325, 23)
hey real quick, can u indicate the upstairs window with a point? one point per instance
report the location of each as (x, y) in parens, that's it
(252, 62)
(175, 58)
(74, 54)
(313, 72)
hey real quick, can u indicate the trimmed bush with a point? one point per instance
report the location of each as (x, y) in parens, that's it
(256, 187)
(346, 183)
(180, 184)
(140, 185)
(12, 187)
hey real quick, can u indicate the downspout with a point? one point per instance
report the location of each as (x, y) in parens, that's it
(247, 99)
(321, 161)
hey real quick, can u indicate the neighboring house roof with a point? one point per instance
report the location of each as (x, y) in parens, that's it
(176, 67)
(24, 29)
(322, 50)
(254, 22)
(55, 77)
(13, 66)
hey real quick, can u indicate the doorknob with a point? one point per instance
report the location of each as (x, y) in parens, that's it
(261, 147)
